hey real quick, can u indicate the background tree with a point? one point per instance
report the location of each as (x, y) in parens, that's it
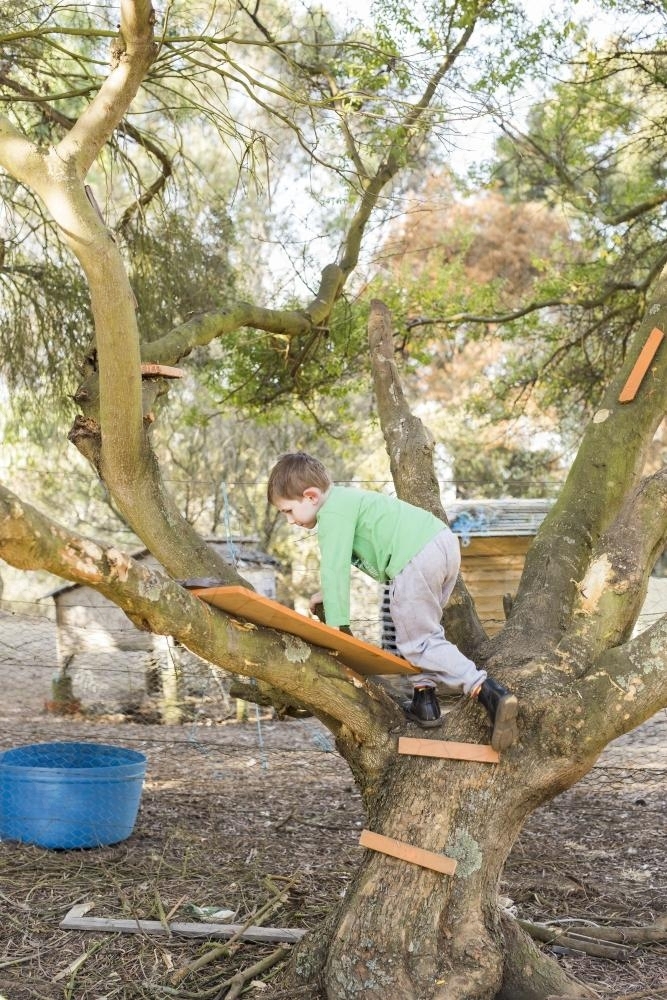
(588, 163)
(455, 258)
(401, 930)
(590, 155)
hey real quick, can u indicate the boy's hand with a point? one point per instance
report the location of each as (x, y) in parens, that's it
(317, 607)
(315, 600)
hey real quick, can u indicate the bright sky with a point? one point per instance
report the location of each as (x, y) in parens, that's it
(535, 9)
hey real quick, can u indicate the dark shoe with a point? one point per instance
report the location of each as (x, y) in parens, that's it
(502, 707)
(424, 708)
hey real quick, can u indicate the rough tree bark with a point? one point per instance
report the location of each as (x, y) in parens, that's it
(402, 931)
(576, 695)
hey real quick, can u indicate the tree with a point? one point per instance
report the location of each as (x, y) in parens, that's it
(401, 931)
(461, 257)
(589, 158)
(590, 149)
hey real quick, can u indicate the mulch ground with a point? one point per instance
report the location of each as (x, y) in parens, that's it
(235, 815)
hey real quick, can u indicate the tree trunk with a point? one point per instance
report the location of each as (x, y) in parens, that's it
(531, 975)
(448, 942)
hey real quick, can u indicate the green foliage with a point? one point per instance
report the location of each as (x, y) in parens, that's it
(179, 265)
(593, 150)
(315, 97)
(44, 73)
(40, 464)
(45, 320)
(264, 374)
(592, 158)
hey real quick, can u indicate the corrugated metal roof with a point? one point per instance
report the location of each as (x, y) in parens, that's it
(474, 518)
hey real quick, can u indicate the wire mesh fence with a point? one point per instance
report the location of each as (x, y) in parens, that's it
(207, 744)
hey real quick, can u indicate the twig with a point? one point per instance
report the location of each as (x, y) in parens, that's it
(656, 991)
(18, 961)
(238, 981)
(292, 993)
(175, 907)
(255, 918)
(162, 917)
(284, 821)
(73, 969)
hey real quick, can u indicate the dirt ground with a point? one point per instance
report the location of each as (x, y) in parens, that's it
(234, 815)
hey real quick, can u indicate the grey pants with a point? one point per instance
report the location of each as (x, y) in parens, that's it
(417, 597)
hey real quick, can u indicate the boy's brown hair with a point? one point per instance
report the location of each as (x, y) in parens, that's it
(293, 474)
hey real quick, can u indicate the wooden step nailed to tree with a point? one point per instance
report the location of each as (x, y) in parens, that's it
(448, 749)
(407, 852)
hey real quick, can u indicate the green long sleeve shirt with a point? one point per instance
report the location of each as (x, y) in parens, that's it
(376, 533)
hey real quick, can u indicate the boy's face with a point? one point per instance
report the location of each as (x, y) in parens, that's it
(302, 511)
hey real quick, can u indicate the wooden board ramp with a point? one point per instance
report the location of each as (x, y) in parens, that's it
(407, 852)
(448, 750)
(355, 653)
(641, 365)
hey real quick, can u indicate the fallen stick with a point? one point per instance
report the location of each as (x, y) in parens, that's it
(648, 934)
(575, 941)
(19, 961)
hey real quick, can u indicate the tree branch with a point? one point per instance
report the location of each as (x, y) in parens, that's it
(610, 596)
(396, 154)
(607, 467)
(121, 448)
(360, 714)
(133, 54)
(124, 128)
(18, 155)
(628, 215)
(626, 686)
(201, 330)
(410, 448)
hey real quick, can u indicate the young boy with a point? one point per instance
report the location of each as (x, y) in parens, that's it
(417, 554)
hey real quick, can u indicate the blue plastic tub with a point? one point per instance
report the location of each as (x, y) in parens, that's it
(67, 795)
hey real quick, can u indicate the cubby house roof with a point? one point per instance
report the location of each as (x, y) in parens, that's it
(486, 518)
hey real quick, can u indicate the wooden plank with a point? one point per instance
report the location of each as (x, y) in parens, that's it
(360, 656)
(149, 370)
(407, 852)
(448, 750)
(75, 921)
(641, 366)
